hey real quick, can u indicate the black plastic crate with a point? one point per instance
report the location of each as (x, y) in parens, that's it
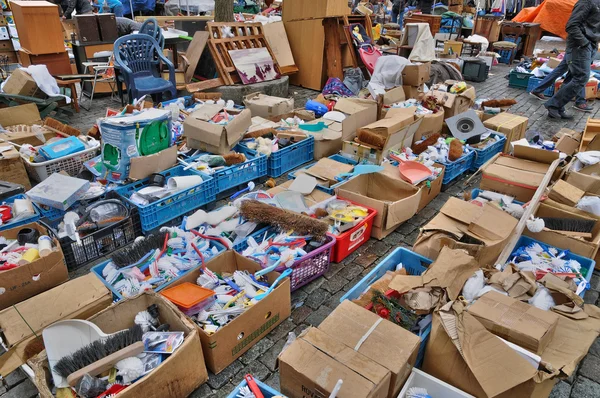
(102, 242)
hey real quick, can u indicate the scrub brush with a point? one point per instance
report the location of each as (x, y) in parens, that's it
(255, 211)
(456, 150)
(100, 355)
(138, 250)
(569, 224)
(234, 158)
(417, 392)
(372, 139)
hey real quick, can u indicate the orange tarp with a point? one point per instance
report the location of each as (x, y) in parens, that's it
(552, 15)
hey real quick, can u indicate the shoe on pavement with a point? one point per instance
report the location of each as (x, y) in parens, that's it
(584, 107)
(553, 113)
(539, 96)
(565, 116)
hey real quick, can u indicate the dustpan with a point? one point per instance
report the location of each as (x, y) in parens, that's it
(64, 338)
(411, 171)
(358, 170)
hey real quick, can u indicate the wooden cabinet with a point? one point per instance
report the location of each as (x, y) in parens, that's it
(39, 27)
(488, 27)
(57, 64)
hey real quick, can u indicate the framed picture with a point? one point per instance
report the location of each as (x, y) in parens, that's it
(254, 65)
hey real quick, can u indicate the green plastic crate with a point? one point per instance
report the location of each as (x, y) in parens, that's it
(518, 79)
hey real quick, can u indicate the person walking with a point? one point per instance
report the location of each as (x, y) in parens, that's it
(562, 68)
(81, 6)
(112, 6)
(398, 7)
(583, 34)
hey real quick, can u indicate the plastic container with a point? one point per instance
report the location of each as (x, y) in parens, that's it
(518, 79)
(434, 387)
(233, 176)
(331, 189)
(288, 158)
(266, 391)
(457, 168)
(26, 220)
(189, 297)
(535, 81)
(97, 270)
(414, 263)
(349, 241)
(587, 265)
(311, 266)
(483, 155)
(258, 236)
(157, 213)
(50, 215)
(72, 164)
(100, 243)
(475, 193)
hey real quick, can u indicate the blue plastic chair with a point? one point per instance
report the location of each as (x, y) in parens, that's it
(151, 27)
(138, 57)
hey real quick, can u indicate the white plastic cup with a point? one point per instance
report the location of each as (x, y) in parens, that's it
(184, 182)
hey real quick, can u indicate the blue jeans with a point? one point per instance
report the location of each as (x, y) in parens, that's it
(579, 61)
(398, 17)
(549, 80)
(117, 10)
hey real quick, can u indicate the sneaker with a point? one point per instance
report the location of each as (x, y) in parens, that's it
(539, 96)
(584, 107)
(565, 116)
(553, 113)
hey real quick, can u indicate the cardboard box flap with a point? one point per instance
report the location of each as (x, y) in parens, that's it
(393, 96)
(143, 166)
(525, 178)
(442, 222)
(236, 128)
(534, 154)
(22, 114)
(444, 98)
(395, 112)
(495, 365)
(390, 125)
(351, 106)
(461, 210)
(404, 137)
(206, 112)
(493, 224)
(450, 271)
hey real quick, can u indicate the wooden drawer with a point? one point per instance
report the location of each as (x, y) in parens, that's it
(90, 50)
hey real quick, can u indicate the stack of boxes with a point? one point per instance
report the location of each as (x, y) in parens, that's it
(40, 34)
(8, 43)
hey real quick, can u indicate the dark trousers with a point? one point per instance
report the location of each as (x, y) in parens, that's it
(549, 80)
(579, 61)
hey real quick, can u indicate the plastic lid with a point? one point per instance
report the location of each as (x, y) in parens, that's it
(187, 294)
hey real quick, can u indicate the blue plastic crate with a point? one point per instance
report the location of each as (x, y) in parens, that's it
(414, 265)
(331, 189)
(535, 81)
(50, 215)
(457, 168)
(587, 265)
(475, 193)
(97, 270)
(257, 235)
(288, 158)
(230, 177)
(27, 220)
(267, 391)
(175, 205)
(483, 155)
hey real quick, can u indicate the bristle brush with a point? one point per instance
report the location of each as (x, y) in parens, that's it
(417, 392)
(138, 250)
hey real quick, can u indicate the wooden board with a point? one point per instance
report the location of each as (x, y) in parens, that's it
(592, 129)
(194, 52)
(278, 40)
(307, 41)
(245, 36)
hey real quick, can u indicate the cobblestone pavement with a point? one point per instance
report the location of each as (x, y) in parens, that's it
(312, 303)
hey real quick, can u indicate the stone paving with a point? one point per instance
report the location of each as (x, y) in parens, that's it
(312, 303)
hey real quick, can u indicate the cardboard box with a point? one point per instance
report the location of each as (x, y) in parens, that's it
(553, 62)
(295, 10)
(361, 153)
(569, 141)
(428, 191)
(267, 106)
(12, 169)
(237, 337)
(518, 322)
(415, 92)
(513, 176)
(455, 104)
(415, 75)
(565, 193)
(21, 322)
(215, 138)
(21, 83)
(359, 113)
(178, 375)
(142, 166)
(586, 247)
(393, 96)
(458, 219)
(302, 366)
(431, 124)
(586, 179)
(398, 131)
(26, 281)
(350, 323)
(502, 372)
(395, 200)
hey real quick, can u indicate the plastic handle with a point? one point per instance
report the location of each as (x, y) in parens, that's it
(253, 386)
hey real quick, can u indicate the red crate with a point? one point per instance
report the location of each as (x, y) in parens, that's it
(354, 238)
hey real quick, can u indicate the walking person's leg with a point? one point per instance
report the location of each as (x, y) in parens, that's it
(549, 80)
(581, 104)
(394, 16)
(579, 61)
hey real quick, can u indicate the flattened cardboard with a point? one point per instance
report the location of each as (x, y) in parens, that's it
(315, 361)
(326, 170)
(488, 225)
(415, 75)
(276, 36)
(268, 106)
(395, 200)
(230, 342)
(516, 321)
(316, 196)
(142, 166)
(19, 322)
(215, 138)
(178, 375)
(26, 281)
(350, 323)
